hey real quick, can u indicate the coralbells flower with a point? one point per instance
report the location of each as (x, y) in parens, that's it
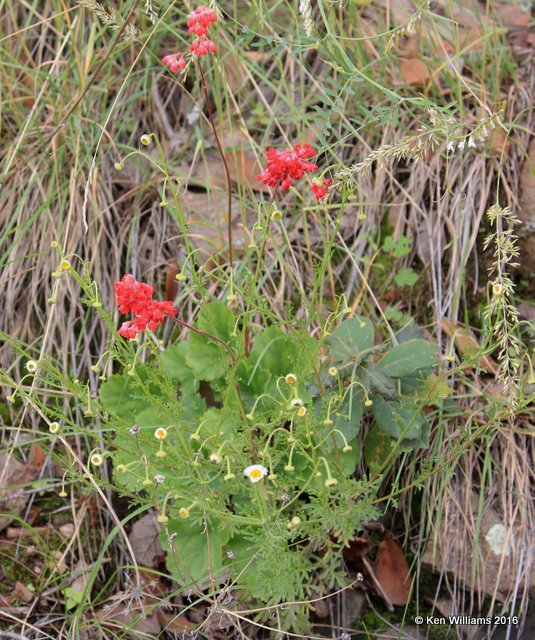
(174, 61)
(286, 166)
(136, 298)
(199, 22)
(320, 191)
(203, 46)
(255, 472)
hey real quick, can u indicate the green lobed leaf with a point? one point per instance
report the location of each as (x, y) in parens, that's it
(408, 358)
(280, 353)
(377, 447)
(350, 338)
(406, 277)
(400, 420)
(377, 381)
(120, 396)
(197, 554)
(208, 359)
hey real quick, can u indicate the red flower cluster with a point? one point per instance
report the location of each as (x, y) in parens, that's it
(136, 297)
(202, 47)
(199, 22)
(175, 61)
(284, 167)
(321, 190)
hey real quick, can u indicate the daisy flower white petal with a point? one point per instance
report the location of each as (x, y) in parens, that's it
(255, 472)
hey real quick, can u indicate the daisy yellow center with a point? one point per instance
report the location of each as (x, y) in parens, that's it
(161, 434)
(255, 474)
(65, 264)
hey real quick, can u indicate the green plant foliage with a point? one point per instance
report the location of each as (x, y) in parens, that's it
(196, 553)
(406, 277)
(277, 408)
(351, 339)
(412, 357)
(401, 420)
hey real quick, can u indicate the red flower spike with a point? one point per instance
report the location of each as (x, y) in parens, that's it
(199, 21)
(175, 61)
(132, 296)
(136, 297)
(203, 46)
(128, 330)
(321, 190)
(284, 167)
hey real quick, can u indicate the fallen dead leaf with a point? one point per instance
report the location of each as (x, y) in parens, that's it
(358, 547)
(392, 572)
(137, 611)
(467, 345)
(177, 623)
(414, 71)
(22, 592)
(67, 530)
(13, 476)
(20, 532)
(146, 545)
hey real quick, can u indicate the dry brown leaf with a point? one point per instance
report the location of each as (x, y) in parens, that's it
(392, 572)
(206, 221)
(512, 15)
(468, 345)
(446, 607)
(144, 607)
(13, 474)
(177, 623)
(21, 592)
(147, 548)
(358, 547)
(414, 71)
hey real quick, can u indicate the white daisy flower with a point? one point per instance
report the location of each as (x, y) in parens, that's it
(160, 433)
(31, 366)
(97, 459)
(255, 472)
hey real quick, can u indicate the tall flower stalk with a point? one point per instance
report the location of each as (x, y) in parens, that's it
(199, 23)
(500, 314)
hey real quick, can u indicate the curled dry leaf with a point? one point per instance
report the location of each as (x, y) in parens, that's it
(468, 345)
(14, 476)
(391, 571)
(145, 542)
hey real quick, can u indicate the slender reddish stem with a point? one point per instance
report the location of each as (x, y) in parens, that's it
(225, 164)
